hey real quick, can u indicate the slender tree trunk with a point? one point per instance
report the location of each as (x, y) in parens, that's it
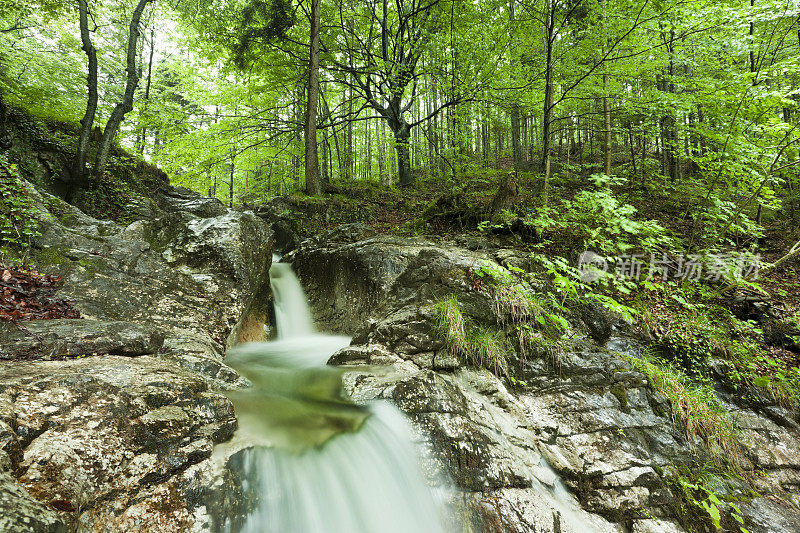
(382, 171)
(348, 150)
(368, 140)
(752, 41)
(607, 126)
(118, 114)
(515, 137)
(548, 99)
(79, 164)
(147, 87)
(5, 139)
(230, 183)
(313, 180)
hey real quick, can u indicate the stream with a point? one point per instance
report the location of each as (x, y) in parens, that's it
(318, 462)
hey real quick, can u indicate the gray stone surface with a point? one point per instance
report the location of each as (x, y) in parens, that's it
(586, 413)
(123, 442)
(66, 338)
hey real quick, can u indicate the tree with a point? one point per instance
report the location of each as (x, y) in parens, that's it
(79, 174)
(313, 180)
(380, 60)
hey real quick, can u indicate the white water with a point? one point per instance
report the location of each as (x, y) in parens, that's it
(292, 315)
(321, 464)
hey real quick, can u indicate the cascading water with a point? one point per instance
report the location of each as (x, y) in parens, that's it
(317, 462)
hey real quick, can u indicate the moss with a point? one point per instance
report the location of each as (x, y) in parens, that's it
(50, 256)
(621, 394)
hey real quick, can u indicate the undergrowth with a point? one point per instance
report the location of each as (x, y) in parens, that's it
(18, 226)
(695, 408)
(689, 323)
(530, 311)
(708, 500)
(476, 345)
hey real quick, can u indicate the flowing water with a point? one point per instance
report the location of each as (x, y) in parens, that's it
(318, 462)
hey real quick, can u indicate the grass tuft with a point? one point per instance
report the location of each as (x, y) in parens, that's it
(696, 407)
(477, 346)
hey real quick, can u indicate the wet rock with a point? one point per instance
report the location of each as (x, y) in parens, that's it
(48, 339)
(125, 440)
(598, 320)
(611, 439)
(763, 515)
(105, 430)
(19, 512)
(655, 526)
(349, 282)
(172, 199)
(231, 244)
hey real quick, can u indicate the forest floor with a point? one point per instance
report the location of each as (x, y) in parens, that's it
(687, 315)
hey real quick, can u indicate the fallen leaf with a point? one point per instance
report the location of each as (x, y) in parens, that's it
(62, 505)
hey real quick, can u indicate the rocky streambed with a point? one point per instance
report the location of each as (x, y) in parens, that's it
(113, 428)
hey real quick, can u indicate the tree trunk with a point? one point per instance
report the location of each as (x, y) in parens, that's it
(515, 137)
(607, 126)
(147, 87)
(230, 183)
(5, 139)
(548, 100)
(348, 139)
(313, 180)
(382, 171)
(78, 173)
(118, 114)
(401, 136)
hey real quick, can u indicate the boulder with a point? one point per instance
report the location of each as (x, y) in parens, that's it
(579, 426)
(118, 436)
(180, 199)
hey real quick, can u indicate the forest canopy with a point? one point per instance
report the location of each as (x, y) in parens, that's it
(693, 99)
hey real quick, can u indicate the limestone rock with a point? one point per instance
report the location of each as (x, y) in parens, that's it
(71, 338)
(584, 422)
(124, 440)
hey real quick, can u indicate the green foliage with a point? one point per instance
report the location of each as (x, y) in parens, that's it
(261, 22)
(18, 225)
(702, 501)
(597, 220)
(689, 324)
(567, 283)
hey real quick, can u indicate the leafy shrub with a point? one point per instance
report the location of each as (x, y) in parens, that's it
(702, 502)
(18, 226)
(596, 219)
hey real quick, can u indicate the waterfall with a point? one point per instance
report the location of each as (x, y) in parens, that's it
(316, 462)
(292, 314)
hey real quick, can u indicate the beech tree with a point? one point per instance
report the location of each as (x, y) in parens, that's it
(79, 172)
(379, 49)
